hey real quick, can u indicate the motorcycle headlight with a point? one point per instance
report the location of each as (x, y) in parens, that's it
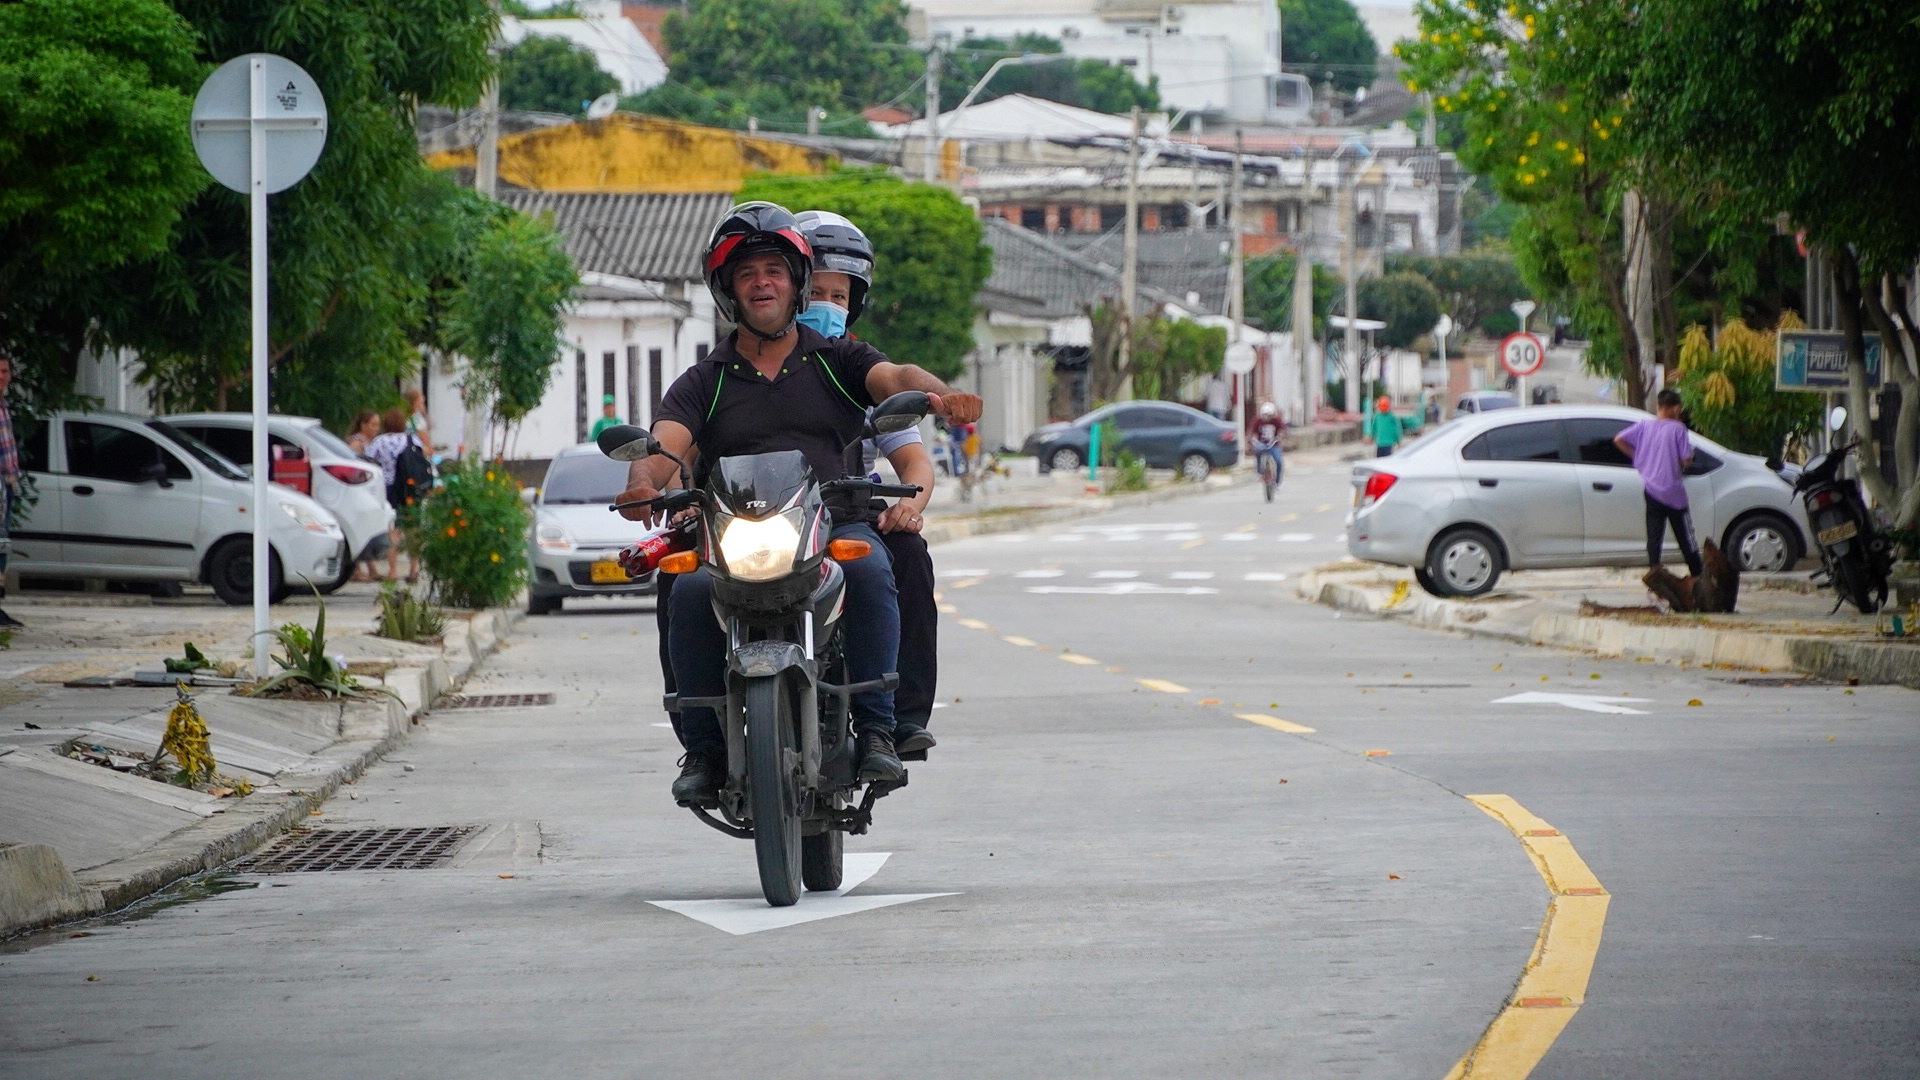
(760, 550)
(551, 537)
(307, 519)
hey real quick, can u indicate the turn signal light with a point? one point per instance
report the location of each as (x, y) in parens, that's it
(848, 550)
(1377, 485)
(680, 562)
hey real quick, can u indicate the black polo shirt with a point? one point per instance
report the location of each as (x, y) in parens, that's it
(816, 404)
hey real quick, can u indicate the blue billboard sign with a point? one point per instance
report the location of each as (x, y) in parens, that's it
(1817, 360)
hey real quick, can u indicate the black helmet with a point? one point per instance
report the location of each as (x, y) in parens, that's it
(840, 247)
(756, 228)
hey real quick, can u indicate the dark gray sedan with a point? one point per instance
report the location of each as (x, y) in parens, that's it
(1165, 435)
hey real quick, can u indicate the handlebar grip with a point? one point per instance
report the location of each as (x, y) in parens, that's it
(896, 491)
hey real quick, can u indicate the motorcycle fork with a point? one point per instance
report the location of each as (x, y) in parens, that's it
(808, 713)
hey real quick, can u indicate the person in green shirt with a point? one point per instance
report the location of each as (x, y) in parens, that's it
(1384, 427)
(607, 419)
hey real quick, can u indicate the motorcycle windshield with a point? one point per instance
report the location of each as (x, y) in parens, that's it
(756, 486)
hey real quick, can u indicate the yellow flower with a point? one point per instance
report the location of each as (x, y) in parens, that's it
(1563, 107)
(1603, 133)
(1523, 159)
(1616, 121)
(1526, 178)
(1489, 140)
(1529, 30)
(496, 556)
(1445, 104)
(1491, 107)
(1533, 139)
(1561, 145)
(1579, 157)
(1455, 36)
(489, 475)
(1435, 38)
(1477, 32)
(1528, 20)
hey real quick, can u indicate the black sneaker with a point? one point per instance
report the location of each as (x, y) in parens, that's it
(8, 622)
(878, 759)
(912, 739)
(702, 774)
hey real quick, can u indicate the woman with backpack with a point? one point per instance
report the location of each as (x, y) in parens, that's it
(409, 476)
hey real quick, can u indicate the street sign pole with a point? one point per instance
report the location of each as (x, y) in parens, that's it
(262, 467)
(1522, 308)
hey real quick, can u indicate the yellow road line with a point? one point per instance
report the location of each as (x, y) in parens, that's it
(1553, 985)
(947, 609)
(1248, 527)
(974, 624)
(1275, 723)
(1191, 544)
(1323, 508)
(1289, 517)
(967, 584)
(1025, 643)
(1076, 658)
(1162, 685)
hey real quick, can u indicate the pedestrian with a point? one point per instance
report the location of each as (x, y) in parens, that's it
(386, 449)
(1384, 427)
(607, 418)
(1661, 450)
(365, 426)
(1219, 398)
(418, 425)
(10, 478)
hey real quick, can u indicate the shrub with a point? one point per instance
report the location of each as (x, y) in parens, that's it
(1130, 475)
(1728, 387)
(473, 535)
(406, 617)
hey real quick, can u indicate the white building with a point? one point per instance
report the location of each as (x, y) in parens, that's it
(623, 51)
(1217, 58)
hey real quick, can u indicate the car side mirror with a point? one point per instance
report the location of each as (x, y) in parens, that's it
(625, 442)
(1837, 419)
(153, 472)
(528, 494)
(899, 412)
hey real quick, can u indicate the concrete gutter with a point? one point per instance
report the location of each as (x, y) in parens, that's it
(1390, 592)
(36, 889)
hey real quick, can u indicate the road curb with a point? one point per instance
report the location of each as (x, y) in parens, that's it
(37, 890)
(1891, 663)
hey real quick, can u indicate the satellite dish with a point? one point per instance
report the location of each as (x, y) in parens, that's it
(603, 106)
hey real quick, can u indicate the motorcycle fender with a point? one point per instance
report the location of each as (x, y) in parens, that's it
(759, 659)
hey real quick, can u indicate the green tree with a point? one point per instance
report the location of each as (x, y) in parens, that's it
(1475, 287)
(1168, 352)
(1326, 40)
(1087, 84)
(1270, 292)
(544, 74)
(506, 313)
(1405, 301)
(95, 164)
(929, 259)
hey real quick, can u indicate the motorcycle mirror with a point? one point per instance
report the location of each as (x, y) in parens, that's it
(1837, 419)
(624, 442)
(900, 412)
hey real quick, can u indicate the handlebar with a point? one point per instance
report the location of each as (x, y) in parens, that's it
(862, 484)
(669, 501)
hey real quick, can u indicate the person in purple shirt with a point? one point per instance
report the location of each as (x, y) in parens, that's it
(1661, 451)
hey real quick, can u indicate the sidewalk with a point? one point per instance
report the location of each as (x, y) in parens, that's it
(78, 838)
(1782, 623)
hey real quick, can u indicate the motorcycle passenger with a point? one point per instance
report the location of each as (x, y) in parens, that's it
(1267, 430)
(843, 267)
(772, 385)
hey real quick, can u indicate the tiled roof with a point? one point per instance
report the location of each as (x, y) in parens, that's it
(1034, 276)
(645, 236)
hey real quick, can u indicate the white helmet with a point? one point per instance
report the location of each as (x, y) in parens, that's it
(1267, 408)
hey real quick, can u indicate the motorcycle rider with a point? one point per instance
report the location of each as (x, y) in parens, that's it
(774, 384)
(843, 270)
(1267, 429)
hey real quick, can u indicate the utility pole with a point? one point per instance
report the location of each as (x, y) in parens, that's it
(486, 163)
(1303, 299)
(1237, 285)
(1350, 347)
(930, 167)
(1130, 260)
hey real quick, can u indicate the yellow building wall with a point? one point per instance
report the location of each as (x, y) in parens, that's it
(627, 152)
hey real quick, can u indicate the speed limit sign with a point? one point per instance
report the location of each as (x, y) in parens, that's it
(1522, 354)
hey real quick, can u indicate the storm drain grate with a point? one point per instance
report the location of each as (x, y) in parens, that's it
(308, 850)
(497, 701)
(1776, 681)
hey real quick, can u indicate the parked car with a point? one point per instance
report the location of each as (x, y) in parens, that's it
(130, 498)
(312, 461)
(1165, 435)
(575, 538)
(1547, 487)
(1479, 401)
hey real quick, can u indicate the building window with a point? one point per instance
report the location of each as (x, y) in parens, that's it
(1112, 217)
(580, 393)
(655, 378)
(1174, 216)
(607, 377)
(633, 385)
(1034, 218)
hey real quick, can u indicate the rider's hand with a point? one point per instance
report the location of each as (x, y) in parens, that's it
(902, 516)
(647, 514)
(956, 408)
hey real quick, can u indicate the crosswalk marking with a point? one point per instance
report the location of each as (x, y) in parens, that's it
(1239, 536)
(1295, 538)
(1115, 574)
(1040, 573)
(1191, 575)
(1262, 575)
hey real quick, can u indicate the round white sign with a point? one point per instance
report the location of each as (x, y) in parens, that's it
(1240, 358)
(287, 108)
(1522, 354)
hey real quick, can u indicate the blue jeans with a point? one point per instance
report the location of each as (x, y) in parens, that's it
(1261, 453)
(697, 643)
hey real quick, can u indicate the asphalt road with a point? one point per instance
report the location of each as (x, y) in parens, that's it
(1103, 872)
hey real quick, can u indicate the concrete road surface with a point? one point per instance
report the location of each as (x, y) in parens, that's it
(1105, 871)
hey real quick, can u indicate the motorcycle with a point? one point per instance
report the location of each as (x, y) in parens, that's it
(761, 526)
(1854, 555)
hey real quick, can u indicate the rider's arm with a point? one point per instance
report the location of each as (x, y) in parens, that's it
(648, 476)
(885, 379)
(912, 464)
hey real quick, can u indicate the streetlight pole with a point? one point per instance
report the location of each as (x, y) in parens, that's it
(935, 137)
(1129, 258)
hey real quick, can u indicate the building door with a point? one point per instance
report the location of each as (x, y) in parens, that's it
(633, 387)
(580, 395)
(656, 375)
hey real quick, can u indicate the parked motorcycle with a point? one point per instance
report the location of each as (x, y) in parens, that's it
(1855, 556)
(761, 528)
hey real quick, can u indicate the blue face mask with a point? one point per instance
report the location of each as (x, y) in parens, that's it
(827, 320)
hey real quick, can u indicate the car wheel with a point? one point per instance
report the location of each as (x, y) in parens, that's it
(1425, 580)
(230, 572)
(1763, 544)
(1065, 459)
(542, 605)
(1464, 562)
(1195, 467)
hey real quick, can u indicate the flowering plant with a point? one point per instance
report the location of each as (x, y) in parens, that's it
(473, 535)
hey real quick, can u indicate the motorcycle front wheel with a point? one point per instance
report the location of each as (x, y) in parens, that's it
(774, 788)
(1850, 581)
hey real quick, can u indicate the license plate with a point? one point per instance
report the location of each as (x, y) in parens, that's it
(1839, 532)
(608, 573)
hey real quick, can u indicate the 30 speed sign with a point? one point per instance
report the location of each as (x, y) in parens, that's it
(1522, 354)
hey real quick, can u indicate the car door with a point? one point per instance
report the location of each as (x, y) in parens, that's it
(1518, 479)
(1610, 491)
(1134, 426)
(128, 505)
(35, 532)
(1165, 432)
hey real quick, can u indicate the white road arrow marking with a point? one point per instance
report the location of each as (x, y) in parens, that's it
(1583, 702)
(739, 917)
(1242, 537)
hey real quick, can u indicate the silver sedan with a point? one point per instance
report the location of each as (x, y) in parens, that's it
(1524, 489)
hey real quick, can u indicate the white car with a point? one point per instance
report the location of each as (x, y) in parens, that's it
(313, 461)
(575, 537)
(129, 498)
(1523, 489)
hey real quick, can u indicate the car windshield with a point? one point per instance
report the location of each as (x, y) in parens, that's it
(578, 479)
(204, 454)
